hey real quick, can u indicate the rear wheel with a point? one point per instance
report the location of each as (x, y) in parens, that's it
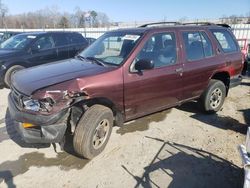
(9, 72)
(93, 131)
(213, 98)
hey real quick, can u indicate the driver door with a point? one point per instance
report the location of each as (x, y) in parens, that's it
(159, 88)
(43, 51)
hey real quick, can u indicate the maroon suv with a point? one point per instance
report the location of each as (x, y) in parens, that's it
(124, 75)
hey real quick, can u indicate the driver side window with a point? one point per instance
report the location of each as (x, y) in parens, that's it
(161, 49)
(43, 43)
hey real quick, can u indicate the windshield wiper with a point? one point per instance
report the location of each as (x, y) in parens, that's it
(97, 61)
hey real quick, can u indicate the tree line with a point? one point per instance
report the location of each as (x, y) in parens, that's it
(51, 17)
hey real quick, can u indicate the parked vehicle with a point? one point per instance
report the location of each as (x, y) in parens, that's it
(6, 35)
(245, 51)
(32, 49)
(124, 75)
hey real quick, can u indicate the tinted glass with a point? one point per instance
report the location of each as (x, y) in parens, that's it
(60, 39)
(161, 49)
(43, 43)
(193, 45)
(207, 45)
(225, 40)
(76, 38)
(17, 42)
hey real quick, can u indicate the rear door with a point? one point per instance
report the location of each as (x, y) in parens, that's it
(43, 50)
(160, 87)
(199, 62)
(76, 43)
(62, 45)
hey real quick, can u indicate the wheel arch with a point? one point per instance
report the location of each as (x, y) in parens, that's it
(224, 77)
(118, 114)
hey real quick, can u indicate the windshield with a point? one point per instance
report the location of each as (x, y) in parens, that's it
(17, 42)
(112, 48)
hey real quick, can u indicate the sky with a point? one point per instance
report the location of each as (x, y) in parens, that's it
(140, 10)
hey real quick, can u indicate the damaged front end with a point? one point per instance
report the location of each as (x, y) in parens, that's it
(43, 117)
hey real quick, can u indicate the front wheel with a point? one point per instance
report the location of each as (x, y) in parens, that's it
(213, 98)
(9, 72)
(93, 131)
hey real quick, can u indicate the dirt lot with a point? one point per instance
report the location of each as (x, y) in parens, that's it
(179, 147)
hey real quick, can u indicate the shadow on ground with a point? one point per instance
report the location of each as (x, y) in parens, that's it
(178, 166)
(9, 169)
(222, 122)
(142, 124)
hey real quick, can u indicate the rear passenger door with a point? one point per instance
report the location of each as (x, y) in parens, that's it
(199, 62)
(76, 43)
(62, 45)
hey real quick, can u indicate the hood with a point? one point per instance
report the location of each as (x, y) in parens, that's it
(29, 80)
(8, 53)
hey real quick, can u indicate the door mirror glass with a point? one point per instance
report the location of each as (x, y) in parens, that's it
(144, 64)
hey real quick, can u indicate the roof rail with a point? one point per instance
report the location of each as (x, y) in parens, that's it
(160, 23)
(224, 25)
(198, 23)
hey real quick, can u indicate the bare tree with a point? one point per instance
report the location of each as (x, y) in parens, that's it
(3, 12)
(64, 22)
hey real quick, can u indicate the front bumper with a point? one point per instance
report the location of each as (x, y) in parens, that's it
(49, 129)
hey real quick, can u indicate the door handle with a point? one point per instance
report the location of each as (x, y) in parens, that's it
(179, 70)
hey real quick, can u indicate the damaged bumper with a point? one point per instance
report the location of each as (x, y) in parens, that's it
(47, 129)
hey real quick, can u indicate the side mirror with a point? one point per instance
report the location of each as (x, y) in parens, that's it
(144, 64)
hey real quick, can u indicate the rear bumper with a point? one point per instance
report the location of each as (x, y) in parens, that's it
(48, 129)
(235, 81)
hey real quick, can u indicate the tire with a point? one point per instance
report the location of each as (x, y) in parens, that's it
(9, 72)
(90, 131)
(213, 97)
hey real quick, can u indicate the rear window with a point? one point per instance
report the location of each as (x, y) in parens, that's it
(225, 40)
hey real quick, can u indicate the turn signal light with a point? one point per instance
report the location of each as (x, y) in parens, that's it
(27, 125)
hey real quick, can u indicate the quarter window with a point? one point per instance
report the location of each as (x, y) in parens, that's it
(225, 40)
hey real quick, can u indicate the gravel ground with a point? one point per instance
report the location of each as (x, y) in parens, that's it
(179, 147)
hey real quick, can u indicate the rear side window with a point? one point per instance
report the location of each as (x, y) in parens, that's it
(60, 39)
(207, 45)
(197, 45)
(75, 38)
(225, 40)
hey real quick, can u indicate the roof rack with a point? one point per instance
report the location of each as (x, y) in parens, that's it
(160, 23)
(224, 25)
(198, 23)
(188, 23)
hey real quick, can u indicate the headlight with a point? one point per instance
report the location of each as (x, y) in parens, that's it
(44, 105)
(3, 67)
(31, 104)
